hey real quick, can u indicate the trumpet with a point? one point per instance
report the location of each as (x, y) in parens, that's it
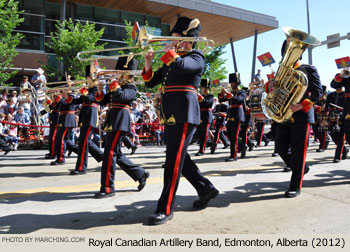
(144, 41)
(345, 72)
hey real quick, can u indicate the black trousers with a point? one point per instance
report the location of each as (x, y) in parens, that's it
(338, 138)
(219, 134)
(52, 136)
(113, 155)
(3, 145)
(273, 134)
(203, 130)
(243, 134)
(323, 138)
(291, 142)
(86, 146)
(127, 142)
(260, 133)
(178, 162)
(347, 130)
(63, 141)
(232, 132)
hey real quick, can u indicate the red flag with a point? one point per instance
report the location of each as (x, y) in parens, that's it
(266, 59)
(216, 83)
(343, 62)
(135, 32)
(270, 76)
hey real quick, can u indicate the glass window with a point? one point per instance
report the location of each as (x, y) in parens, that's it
(32, 6)
(107, 15)
(31, 41)
(131, 16)
(50, 26)
(165, 30)
(31, 23)
(84, 11)
(153, 21)
(53, 10)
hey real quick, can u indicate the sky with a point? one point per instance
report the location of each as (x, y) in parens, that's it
(327, 17)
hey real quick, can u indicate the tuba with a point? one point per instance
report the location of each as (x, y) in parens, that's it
(290, 85)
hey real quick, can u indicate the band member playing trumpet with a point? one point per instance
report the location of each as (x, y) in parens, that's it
(66, 124)
(235, 113)
(88, 122)
(342, 80)
(220, 121)
(336, 124)
(206, 101)
(292, 136)
(117, 125)
(180, 76)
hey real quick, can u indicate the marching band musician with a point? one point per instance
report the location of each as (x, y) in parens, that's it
(117, 125)
(342, 80)
(235, 113)
(244, 140)
(336, 128)
(180, 76)
(206, 101)
(260, 135)
(88, 122)
(53, 121)
(292, 136)
(322, 118)
(66, 124)
(220, 121)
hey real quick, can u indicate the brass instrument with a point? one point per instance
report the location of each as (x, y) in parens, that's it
(144, 41)
(290, 85)
(345, 72)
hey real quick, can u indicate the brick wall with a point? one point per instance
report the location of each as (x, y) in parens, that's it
(30, 60)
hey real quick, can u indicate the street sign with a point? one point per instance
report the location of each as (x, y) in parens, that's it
(333, 44)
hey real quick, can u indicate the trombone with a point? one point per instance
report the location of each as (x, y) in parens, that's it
(145, 40)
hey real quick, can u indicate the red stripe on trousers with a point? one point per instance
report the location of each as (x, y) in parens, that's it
(83, 149)
(53, 141)
(217, 139)
(176, 168)
(110, 158)
(205, 139)
(324, 139)
(62, 143)
(236, 142)
(246, 134)
(342, 147)
(304, 156)
(262, 132)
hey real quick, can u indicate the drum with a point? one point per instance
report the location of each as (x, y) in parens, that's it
(334, 121)
(323, 122)
(257, 108)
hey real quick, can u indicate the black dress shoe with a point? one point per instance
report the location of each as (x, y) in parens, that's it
(199, 154)
(133, 149)
(243, 153)
(274, 154)
(163, 165)
(257, 146)
(69, 153)
(75, 172)
(287, 169)
(336, 160)
(6, 152)
(251, 147)
(102, 195)
(57, 163)
(226, 146)
(212, 149)
(159, 218)
(202, 202)
(306, 169)
(142, 181)
(320, 150)
(292, 194)
(230, 159)
(267, 142)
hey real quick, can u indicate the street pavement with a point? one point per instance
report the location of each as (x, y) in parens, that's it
(38, 198)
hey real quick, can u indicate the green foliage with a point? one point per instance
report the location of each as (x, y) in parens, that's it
(9, 20)
(214, 67)
(69, 39)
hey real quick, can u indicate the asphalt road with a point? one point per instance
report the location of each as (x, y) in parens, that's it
(42, 199)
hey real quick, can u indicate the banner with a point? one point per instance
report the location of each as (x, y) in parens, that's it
(135, 32)
(266, 59)
(216, 83)
(270, 76)
(343, 62)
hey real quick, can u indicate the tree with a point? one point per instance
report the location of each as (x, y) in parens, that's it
(69, 39)
(9, 20)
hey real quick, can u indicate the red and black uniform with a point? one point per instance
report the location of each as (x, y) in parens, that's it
(322, 130)
(88, 122)
(336, 123)
(53, 119)
(206, 119)
(180, 111)
(235, 117)
(220, 121)
(339, 82)
(243, 134)
(260, 136)
(66, 124)
(292, 136)
(117, 125)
